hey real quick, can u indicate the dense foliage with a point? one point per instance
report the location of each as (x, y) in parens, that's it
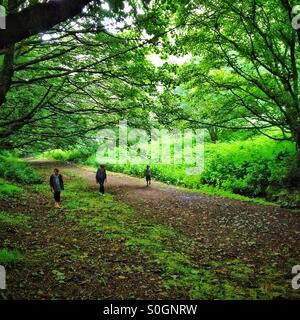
(230, 69)
(12, 168)
(248, 167)
(252, 168)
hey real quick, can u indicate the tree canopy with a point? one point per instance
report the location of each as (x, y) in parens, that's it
(69, 68)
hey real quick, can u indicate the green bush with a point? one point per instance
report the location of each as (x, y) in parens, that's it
(248, 167)
(251, 168)
(75, 155)
(12, 168)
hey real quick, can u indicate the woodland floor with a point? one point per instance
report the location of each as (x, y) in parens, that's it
(159, 242)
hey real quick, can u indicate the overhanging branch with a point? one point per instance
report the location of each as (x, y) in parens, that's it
(39, 18)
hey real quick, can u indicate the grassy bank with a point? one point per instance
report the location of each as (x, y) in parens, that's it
(14, 175)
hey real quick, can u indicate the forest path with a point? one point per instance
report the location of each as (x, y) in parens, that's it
(222, 228)
(160, 242)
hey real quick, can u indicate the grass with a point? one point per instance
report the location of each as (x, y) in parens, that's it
(163, 248)
(14, 169)
(168, 250)
(13, 219)
(9, 190)
(213, 191)
(9, 256)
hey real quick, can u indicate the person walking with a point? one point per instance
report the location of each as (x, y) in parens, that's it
(57, 185)
(101, 178)
(148, 175)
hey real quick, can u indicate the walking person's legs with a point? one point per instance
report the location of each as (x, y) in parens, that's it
(148, 179)
(57, 199)
(102, 188)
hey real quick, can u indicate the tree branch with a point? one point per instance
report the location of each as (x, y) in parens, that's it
(39, 18)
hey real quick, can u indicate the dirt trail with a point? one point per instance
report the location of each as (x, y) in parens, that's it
(64, 260)
(222, 228)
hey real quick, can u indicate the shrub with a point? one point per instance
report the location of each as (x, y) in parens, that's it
(243, 167)
(75, 155)
(248, 167)
(12, 168)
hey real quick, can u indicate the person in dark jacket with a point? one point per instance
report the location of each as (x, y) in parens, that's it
(101, 177)
(148, 175)
(57, 185)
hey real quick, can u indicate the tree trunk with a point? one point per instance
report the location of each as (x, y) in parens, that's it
(6, 73)
(297, 160)
(213, 132)
(294, 173)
